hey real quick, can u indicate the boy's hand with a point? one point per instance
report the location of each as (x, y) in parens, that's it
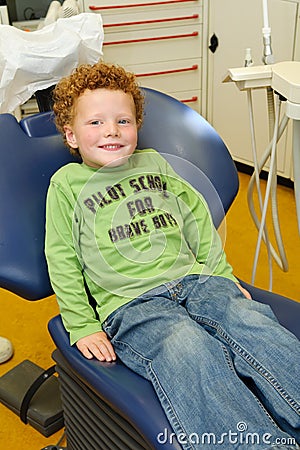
(244, 291)
(97, 345)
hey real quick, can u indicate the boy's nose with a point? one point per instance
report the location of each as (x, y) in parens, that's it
(112, 130)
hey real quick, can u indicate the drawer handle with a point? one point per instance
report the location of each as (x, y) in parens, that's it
(144, 22)
(190, 100)
(166, 72)
(136, 5)
(158, 38)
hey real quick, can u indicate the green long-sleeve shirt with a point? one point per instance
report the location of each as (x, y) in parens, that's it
(124, 230)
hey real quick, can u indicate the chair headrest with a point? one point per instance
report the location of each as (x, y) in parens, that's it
(27, 163)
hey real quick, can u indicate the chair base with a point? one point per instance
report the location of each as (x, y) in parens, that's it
(90, 422)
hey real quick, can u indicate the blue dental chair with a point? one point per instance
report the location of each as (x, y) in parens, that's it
(106, 406)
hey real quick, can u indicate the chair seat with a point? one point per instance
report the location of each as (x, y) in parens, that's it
(129, 395)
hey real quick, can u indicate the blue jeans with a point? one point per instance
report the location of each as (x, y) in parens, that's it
(226, 373)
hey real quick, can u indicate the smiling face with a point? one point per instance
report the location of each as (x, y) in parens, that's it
(104, 127)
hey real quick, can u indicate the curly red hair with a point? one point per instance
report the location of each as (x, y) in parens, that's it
(96, 76)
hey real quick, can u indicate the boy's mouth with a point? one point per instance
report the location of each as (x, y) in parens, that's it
(111, 147)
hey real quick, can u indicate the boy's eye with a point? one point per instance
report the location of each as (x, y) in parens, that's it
(95, 122)
(123, 121)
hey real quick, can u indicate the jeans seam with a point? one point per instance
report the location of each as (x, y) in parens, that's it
(252, 362)
(147, 362)
(227, 358)
(231, 367)
(177, 426)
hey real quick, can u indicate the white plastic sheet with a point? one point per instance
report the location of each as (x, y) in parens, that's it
(31, 61)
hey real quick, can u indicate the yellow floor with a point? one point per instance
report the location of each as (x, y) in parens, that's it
(242, 235)
(25, 323)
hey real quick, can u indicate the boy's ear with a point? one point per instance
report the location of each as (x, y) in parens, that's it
(70, 137)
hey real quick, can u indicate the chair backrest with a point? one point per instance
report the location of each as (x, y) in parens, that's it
(39, 125)
(195, 149)
(31, 151)
(27, 163)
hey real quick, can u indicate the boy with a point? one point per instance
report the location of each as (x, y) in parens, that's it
(141, 239)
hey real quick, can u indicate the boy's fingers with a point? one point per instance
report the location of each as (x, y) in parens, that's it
(85, 351)
(97, 346)
(108, 352)
(102, 352)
